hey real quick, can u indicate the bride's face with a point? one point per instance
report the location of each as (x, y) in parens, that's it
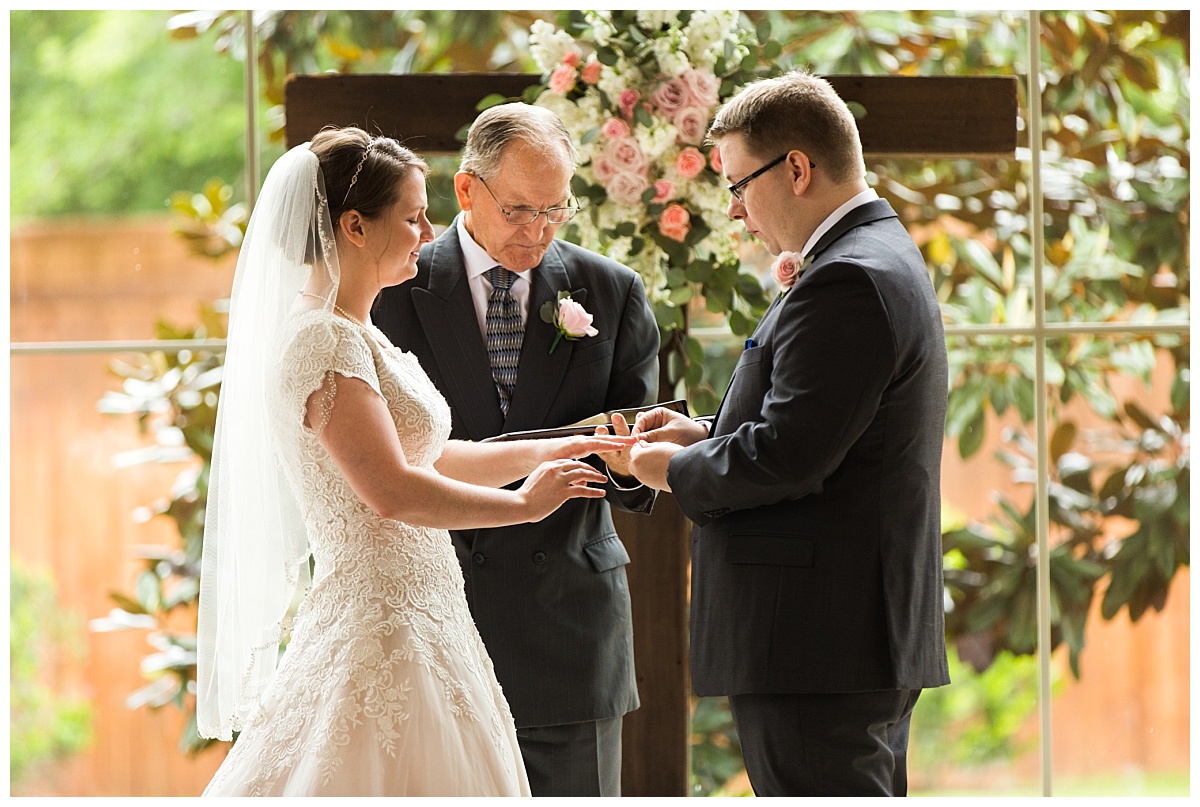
(401, 231)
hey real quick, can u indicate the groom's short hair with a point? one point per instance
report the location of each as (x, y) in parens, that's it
(796, 110)
(500, 126)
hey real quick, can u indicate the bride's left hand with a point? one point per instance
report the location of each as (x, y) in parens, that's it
(569, 448)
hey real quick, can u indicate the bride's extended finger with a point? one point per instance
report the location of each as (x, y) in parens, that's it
(600, 444)
(582, 474)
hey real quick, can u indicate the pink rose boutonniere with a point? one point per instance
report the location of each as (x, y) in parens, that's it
(569, 317)
(787, 269)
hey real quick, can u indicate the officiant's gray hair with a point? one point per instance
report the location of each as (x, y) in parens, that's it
(795, 111)
(500, 126)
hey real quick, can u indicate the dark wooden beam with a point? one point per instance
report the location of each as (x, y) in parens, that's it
(925, 116)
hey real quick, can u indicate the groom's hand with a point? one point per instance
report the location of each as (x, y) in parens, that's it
(649, 463)
(666, 426)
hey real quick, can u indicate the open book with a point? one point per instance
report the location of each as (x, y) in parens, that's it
(588, 425)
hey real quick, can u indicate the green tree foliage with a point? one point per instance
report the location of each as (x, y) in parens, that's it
(44, 725)
(109, 116)
(174, 398)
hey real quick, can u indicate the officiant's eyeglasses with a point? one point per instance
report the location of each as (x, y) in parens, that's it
(521, 216)
(736, 188)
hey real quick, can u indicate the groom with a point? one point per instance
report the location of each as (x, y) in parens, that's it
(816, 559)
(551, 600)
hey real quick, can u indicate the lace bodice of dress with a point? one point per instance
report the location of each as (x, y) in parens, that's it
(322, 348)
(386, 595)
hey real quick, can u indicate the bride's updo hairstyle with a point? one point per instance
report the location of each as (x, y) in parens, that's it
(361, 172)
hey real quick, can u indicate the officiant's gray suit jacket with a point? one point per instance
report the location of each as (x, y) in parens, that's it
(551, 599)
(816, 555)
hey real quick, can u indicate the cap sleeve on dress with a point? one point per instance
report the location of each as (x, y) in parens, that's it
(323, 347)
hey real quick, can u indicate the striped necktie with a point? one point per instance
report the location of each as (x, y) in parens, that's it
(504, 333)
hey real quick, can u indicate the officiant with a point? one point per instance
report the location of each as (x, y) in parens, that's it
(551, 599)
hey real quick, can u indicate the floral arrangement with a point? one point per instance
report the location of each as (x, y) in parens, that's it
(638, 90)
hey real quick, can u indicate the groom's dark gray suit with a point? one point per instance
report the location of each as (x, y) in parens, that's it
(550, 599)
(816, 556)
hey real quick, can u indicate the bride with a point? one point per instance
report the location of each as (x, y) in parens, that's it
(331, 441)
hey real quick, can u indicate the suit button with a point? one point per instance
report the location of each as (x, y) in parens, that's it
(539, 558)
(480, 559)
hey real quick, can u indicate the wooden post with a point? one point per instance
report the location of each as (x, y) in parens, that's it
(656, 756)
(900, 116)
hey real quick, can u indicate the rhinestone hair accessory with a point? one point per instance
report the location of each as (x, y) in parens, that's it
(354, 178)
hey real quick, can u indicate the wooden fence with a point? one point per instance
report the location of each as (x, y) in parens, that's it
(71, 513)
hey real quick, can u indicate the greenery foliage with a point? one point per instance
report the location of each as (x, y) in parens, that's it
(44, 725)
(174, 398)
(108, 116)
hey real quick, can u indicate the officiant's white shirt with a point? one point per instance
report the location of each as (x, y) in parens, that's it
(478, 262)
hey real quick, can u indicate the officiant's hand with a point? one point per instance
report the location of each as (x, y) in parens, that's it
(618, 461)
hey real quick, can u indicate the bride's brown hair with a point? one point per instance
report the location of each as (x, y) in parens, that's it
(361, 172)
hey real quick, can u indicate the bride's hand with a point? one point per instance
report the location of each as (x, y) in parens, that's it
(552, 483)
(569, 448)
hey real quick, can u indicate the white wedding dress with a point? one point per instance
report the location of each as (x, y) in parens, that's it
(385, 688)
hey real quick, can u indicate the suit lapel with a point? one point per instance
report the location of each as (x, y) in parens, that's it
(540, 372)
(863, 214)
(448, 318)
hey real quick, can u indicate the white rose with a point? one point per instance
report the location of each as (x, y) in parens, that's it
(602, 27)
(657, 139)
(617, 78)
(548, 45)
(654, 20)
(619, 248)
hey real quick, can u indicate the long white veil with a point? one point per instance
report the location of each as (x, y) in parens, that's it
(255, 562)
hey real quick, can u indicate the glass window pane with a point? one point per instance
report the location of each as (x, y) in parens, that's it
(82, 514)
(1120, 517)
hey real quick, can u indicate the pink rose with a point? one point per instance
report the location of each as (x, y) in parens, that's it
(626, 155)
(702, 86)
(590, 72)
(663, 190)
(626, 186)
(571, 58)
(615, 128)
(714, 159)
(692, 123)
(787, 268)
(603, 169)
(627, 100)
(675, 222)
(562, 80)
(573, 320)
(671, 96)
(690, 162)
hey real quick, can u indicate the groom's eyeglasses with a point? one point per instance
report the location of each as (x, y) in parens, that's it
(522, 216)
(736, 188)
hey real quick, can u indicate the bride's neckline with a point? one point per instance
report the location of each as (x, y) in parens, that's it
(377, 335)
